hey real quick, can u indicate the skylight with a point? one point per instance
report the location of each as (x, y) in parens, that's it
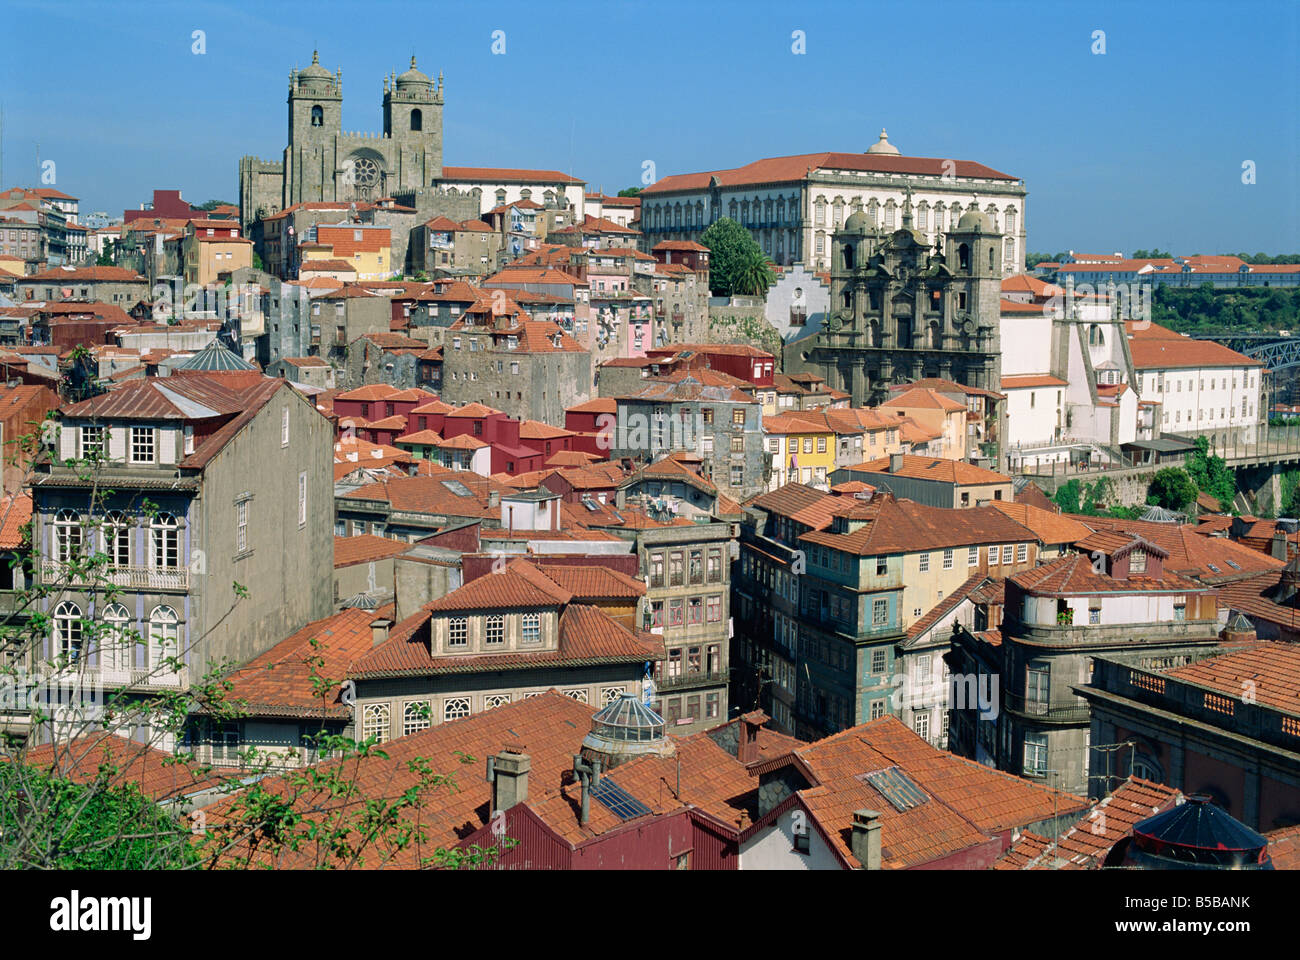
(896, 787)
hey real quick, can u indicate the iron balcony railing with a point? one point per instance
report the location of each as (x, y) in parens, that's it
(130, 576)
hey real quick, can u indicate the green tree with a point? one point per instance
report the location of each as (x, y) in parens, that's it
(1172, 489)
(1211, 474)
(734, 259)
(629, 191)
(1067, 496)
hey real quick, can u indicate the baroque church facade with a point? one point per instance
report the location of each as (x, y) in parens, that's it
(902, 309)
(323, 163)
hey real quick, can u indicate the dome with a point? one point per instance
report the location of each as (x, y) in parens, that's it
(1196, 835)
(857, 223)
(625, 729)
(216, 356)
(315, 71)
(413, 77)
(972, 221)
(884, 146)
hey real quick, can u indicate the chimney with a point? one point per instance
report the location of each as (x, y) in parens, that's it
(895, 462)
(510, 778)
(494, 499)
(865, 841)
(1278, 546)
(379, 630)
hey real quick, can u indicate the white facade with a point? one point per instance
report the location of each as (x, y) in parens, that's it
(1220, 401)
(773, 847)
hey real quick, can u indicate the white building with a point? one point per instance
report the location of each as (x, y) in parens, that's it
(793, 205)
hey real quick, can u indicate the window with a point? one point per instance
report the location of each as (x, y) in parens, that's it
(579, 696)
(657, 613)
(715, 566)
(115, 645)
(374, 723)
(284, 426)
(948, 559)
(93, 443)
(972, 556)
(142, 444)
(695, 610)
(877, 708)
(657, 570)
(1094, 610)
(164, 636)
(1006, 552)
(675, 612)
(878, 661)
(68, 631)
(241, 526)
(1180, 611)
(695, 567)
(531, 628)
(879, 614)
(715, 609)
(453, 708)
(675, 578)
(1035, 754)
(924, 561)
(738, 417)
(496, 630)
(302, 498)
(921, 724)
(1037, 686)
(164, 542)
(882, 566)
(496, 700)
(67, 536)
(1137, 560)
(1022, 552)
(416, 716)
(458, 632)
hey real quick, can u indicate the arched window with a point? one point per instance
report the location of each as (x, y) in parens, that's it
(963, 257)
(992, 265)
(317, 117)
(164, 542)
(1009, 250)
(117, 539)
(68, 631)
(731, 209)
(374, 723)
(1011, 220)
(115, 641)
(164, 636)
(417, 715)
(846, 299)
(67, 536)
(848, 256)
(417, 120)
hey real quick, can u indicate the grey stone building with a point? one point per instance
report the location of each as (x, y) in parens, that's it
(119, 286)
(528, 369)
(214, 481)
(322, 162)
(392, 358)
(340, 317)
(901, 310)
(1113, 597)
(695, 411)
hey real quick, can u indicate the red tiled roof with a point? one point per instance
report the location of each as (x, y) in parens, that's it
(15, 513)
(1085, 845)
(933, 468)
(507, 175)
(966, 803)
(91, 757)
(795, 168)
(1032, 380)
(1158, 348)
(365, 547)
(1270, 671)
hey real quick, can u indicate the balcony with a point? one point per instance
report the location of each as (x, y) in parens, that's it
(1072, 710)
(701, 678)
(128, 576)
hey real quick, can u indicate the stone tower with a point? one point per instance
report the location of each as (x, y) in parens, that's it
(901, 310)
(413, 120)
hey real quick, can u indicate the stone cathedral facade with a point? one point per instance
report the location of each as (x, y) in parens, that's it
(322, 162)
(901, 309)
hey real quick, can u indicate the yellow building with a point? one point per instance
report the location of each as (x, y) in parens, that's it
(212, 250)
(937, 414)
(802, 447)
(367, 247)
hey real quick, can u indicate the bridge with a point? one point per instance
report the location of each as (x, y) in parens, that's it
(1258, 461)
(1273, 350)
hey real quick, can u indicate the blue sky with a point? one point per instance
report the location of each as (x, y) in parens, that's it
(1142, 146)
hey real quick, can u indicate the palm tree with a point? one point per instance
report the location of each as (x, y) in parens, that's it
(754, 276)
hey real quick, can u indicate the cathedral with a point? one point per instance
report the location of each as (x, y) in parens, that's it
(901, 310)
(321, 162)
